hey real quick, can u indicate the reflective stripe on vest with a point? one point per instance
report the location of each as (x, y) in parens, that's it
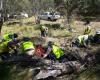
(57, 51)
(28, 45)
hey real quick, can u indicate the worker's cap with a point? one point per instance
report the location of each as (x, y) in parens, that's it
(26, 39)
(97, 32)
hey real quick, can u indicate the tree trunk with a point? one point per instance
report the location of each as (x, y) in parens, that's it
(68, 17)
(1, 15)
(1, 23)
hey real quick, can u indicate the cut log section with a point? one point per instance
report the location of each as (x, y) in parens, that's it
(58, 69)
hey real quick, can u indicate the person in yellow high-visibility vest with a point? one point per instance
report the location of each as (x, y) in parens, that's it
(6, 47)
(54, 52)
(28, 47)
(87, 30)
(44, 31)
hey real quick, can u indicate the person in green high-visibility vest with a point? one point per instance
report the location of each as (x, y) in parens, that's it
(54, 52)
(28, 47)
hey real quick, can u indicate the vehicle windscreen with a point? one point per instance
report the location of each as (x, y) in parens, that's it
(57, 14)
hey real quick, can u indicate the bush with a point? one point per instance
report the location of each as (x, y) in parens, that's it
(48, 25)
(53, 26)
(56, 26)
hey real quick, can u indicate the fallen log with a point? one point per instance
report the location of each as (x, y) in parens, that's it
(58, 69)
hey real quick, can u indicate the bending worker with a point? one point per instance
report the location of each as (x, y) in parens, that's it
(54, 52)
(44, 31)
(28, 47)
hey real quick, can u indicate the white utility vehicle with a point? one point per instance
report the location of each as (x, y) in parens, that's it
(51, 16)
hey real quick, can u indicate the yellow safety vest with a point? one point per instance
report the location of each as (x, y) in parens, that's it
(87, 31)
(3, 47)
(57, 51)
(6, 37)
(80, 40)
(27, 45)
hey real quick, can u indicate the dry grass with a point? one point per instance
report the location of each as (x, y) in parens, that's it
(23, 30)
(29, 29)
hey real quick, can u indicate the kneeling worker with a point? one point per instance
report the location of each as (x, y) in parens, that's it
(28, 47)
(54, 52)
(44, 31)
